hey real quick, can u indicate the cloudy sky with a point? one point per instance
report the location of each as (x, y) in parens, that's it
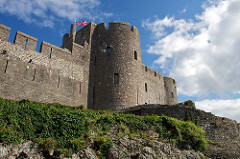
(195, 42)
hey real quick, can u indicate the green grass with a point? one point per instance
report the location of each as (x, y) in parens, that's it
(71, 129)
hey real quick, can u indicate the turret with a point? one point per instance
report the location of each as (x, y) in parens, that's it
(117, 67)
(73, 32)
(171, 90)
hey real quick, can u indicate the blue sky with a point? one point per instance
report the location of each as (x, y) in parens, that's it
(195, 42)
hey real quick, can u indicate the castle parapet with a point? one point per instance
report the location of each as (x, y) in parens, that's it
(25, 41)
(50, 51)
(4, 32)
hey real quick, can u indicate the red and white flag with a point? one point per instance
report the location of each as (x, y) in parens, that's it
(80, 23)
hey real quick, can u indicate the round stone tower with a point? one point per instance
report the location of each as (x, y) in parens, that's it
(171, 91)
(117, 62)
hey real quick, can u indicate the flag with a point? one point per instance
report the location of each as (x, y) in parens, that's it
(84, 23)
(80, 23)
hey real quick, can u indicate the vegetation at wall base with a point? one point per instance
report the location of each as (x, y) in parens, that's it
(71, 129)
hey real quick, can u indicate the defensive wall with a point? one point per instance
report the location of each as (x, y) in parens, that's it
(97, 67)
(223, 133)
(52, 75)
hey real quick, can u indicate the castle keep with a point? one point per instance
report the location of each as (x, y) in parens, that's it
(96, 67)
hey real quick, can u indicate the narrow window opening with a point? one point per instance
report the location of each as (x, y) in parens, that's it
(146, 69)
(25, 73)
(109, 51)
(146, 87)
(95, 60)
(93, 95)
(172, 95)
(34, 74)
(119, 27)
(155, 73)
(50, 53)
(135, 55)
(116, 78)
(174, 82)
(80, 88)
(58, 83)
(5, 71)
(26, 44)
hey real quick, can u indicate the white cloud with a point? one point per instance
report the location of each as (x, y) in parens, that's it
(184, 10)
(47, 12)
(223, 108)
(203, 55)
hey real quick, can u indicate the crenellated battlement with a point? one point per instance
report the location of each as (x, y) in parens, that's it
(4, 32)
(117, 26)
(25, 41)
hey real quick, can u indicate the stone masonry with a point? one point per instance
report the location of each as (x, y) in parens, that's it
(96, 67)
(223, 133)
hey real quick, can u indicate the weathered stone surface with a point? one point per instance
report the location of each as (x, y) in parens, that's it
(124, 147)
(128, 148)
(81, 72)
(223, 133)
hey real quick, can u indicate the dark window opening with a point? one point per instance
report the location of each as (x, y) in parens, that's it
(5, 71)
(146, 87)
(4, 52)
(95, 60)
(34, 74)
(172, 95)
(174, 82)
(155, 73)
(146, 69)
(109, 51)
(50, 53)
(135, 55)
(116, 78)
(26, 44)
(58, 84)
(93, 95)
(80, 88)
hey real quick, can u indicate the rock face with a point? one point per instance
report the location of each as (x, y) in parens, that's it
(124, 147)
(138, 149)
(223, 133)
(24, 150)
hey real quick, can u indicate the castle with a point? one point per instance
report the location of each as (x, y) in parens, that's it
(96, 67)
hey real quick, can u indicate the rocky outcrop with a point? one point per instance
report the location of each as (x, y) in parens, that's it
(124, 147)
(223, 133)
(139, 149)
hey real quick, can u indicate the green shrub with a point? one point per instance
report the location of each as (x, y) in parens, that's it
(10, 134)
(102, 144)
(48, 143)
(71, 129)
(66, 152)
(78, 144)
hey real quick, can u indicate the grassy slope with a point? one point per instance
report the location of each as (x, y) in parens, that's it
(71, 129)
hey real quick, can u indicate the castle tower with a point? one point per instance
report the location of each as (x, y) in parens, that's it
(171, 91)
(117, 67)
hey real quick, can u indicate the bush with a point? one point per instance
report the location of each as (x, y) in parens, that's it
(48, 143)
(71, 129)
(102, 144)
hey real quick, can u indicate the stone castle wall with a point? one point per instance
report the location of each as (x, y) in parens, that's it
(96, 67)
(51, 75)
(154, 89)
(223, 133)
